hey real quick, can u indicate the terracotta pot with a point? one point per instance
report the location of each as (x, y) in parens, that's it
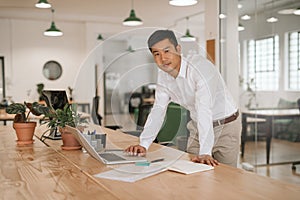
(24, 132)
(69, 140)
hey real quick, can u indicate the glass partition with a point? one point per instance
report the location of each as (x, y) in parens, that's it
(269, 81)
(2, 80)
(269, 54)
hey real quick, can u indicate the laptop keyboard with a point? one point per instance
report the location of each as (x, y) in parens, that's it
(111, 157)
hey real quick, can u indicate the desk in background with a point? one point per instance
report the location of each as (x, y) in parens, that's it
(83, 107)
(10, 117)
(4, 117)
(268, 115)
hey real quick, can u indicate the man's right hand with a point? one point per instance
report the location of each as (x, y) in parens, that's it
(136, 150)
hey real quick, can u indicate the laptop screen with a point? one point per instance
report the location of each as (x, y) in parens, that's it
(55, 98)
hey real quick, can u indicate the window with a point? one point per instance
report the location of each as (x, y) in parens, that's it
(262, 63)
(293, 61)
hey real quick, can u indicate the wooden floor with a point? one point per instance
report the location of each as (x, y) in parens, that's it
(283, 152)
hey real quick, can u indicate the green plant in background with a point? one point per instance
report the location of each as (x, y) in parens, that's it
(22, 116)
(71, 93)
(40, 88)
(249, 91)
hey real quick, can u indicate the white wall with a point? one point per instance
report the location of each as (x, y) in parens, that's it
(26, 50)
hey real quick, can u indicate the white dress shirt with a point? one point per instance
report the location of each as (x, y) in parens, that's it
(199, 88)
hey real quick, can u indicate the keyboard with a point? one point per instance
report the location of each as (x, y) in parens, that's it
(111, 157)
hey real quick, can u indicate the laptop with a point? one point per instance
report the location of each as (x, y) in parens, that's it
(106, 156)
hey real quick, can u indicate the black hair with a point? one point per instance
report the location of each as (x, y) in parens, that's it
(160, 35)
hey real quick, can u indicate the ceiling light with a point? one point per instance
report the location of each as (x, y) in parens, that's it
(182, 2)
(43, 4)
(297, 11)
(272, 19)
(246, 17)
(53, 31)
(132, 20)
(241, 27)
(100, 37)
(222, 16)
(187, 37)
(130, 49)
(286, 11)
(239, 6)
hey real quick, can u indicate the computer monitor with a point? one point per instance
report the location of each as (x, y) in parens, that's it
(55, 98)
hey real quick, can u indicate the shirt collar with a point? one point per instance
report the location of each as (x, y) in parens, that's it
(183, 66)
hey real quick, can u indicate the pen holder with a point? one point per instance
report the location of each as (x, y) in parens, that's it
(101, 139)
(98, 141)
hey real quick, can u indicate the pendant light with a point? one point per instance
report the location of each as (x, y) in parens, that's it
(132, 20)
(297, 11)
(241, 27)
(43, 4)
(187, 37)
(182, 2)
(100, 37)
(53, 31)
(272, 19)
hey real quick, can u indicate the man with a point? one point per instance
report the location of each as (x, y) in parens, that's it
(196, 84)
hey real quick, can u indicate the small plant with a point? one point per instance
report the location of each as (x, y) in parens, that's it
(66, 116)
(71, 93)
(22, 116)
(251, 93)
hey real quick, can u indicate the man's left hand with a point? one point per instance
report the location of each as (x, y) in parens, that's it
(205, 159)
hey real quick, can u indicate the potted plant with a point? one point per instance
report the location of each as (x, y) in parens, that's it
(23, 126)
(60, 118)
(71, 93)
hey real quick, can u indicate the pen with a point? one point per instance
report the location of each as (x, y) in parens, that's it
(157, 160)
(148, 162)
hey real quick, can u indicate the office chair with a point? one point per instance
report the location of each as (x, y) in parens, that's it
(143, 112)
(97, 118)
(135, 100)
(281, 125)
(173, 128)
(297, 162)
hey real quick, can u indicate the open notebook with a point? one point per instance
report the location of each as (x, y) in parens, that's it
(105, 156)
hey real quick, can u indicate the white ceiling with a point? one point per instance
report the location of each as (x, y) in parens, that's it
(250, 6)
(152, 12)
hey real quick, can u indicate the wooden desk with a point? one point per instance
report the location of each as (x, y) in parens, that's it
(10, 117)
(224, 182)
(269, 115)
(39, 172)
(6, 117)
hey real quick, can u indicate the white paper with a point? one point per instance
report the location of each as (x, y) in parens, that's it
(189, 167)
(131, 173)
(172, 162)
